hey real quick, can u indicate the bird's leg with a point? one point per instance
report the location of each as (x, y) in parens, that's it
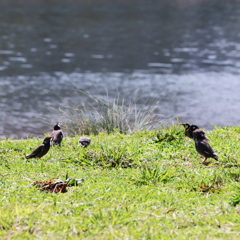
(204, 161)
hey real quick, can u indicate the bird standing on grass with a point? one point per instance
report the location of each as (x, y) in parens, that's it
(84, 141)
(41, 150)
(189, 129)
(202, 146)
(57, 135)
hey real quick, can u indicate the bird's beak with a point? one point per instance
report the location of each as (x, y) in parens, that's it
(181, 123)
(195, 131)
(51, 137)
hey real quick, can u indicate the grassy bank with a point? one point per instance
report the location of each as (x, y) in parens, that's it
(146, 185)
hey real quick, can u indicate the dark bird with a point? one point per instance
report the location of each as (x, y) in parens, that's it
(84, 141)
(202, 146)
(189, 129)
(57, 135)
(41, 150)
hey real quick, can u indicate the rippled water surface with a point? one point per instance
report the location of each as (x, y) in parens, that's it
(185, 57)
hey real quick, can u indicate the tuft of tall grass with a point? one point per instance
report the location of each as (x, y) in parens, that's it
(235, 199)
(153, 174)
(98, 114)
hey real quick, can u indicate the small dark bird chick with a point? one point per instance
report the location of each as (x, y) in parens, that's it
(41, 150)
(189, 129)
(202, 145)
(84, 141)
(57, 135)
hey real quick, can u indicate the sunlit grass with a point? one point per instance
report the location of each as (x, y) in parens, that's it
(145, 185)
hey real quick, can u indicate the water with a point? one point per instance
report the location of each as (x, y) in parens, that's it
(185, 56)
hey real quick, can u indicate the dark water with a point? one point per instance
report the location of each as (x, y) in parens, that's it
(186, 56)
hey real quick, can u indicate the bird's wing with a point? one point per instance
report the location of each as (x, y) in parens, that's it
(37, 151)
(57, 135)
(206, 148)
(60, 135)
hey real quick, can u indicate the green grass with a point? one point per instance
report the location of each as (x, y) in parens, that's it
(146, 185)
